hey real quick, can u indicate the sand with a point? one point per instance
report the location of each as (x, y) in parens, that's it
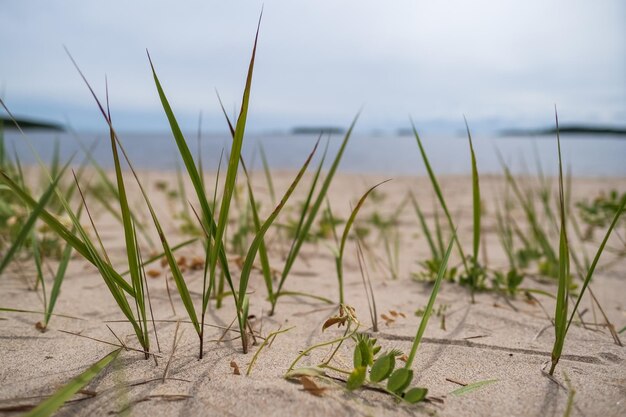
(506, 340)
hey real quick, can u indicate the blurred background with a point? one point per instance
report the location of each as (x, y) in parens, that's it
(503, 65)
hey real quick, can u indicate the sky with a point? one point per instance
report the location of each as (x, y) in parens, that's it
(500, 63)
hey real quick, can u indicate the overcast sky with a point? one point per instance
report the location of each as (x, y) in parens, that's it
(498, 62)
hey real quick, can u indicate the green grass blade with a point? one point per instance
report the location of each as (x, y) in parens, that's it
(344, 237)
(472, 387)
(429, 307)
(425, 229)
(58, 280)
(268, 175)
(442, 201)
(192, 171)
(562, 298)
(258, 239)
(235, 156)
(475, 198)
(596, 258)
(50, 405)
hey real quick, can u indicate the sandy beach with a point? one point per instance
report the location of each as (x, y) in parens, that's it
(501, 339)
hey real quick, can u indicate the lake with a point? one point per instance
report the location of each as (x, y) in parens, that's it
(586, 155)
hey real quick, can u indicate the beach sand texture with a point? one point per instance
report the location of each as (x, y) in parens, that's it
(499, 338)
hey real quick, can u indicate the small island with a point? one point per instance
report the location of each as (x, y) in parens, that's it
(567, 130)
(27, 123)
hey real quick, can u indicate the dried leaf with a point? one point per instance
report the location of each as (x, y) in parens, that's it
(235, 367)
(334, 320)
(311, 387)
(197, 263)
(153, 273)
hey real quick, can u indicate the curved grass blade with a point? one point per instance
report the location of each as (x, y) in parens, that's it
(53, 403)
(431, 302)
(442, 201)
(344, 237)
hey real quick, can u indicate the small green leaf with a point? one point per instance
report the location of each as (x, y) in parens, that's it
(357, 358)
(382, 368)
(356, 378)
(415, 395)
(472, 387)
(399, 380)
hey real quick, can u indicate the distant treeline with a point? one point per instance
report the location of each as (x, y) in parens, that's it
(567, 130)
(8, 123)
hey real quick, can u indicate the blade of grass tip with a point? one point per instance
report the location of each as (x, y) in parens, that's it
(476, 212)
(50, 405)
(32, 218)
(431, 302)
(562, 299)
(258, 239)
(235, 156)
(312, 213)
(344, 237)
(437, 188)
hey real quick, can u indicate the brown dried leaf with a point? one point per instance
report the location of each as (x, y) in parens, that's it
(393, 313)
(388, 320)
(332, 321)
(235, 367)
(153, 273)
(197, 263)
(311, 387)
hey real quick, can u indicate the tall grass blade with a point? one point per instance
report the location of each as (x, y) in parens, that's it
(344, 238)
(429, 307)
(562, 298)
(53, 403)
(437, 188)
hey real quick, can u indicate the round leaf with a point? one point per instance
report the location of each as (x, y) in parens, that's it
(415, 395)
(399, 380)
(382, 368)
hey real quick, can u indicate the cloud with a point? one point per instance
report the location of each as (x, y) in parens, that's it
(319, 61)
